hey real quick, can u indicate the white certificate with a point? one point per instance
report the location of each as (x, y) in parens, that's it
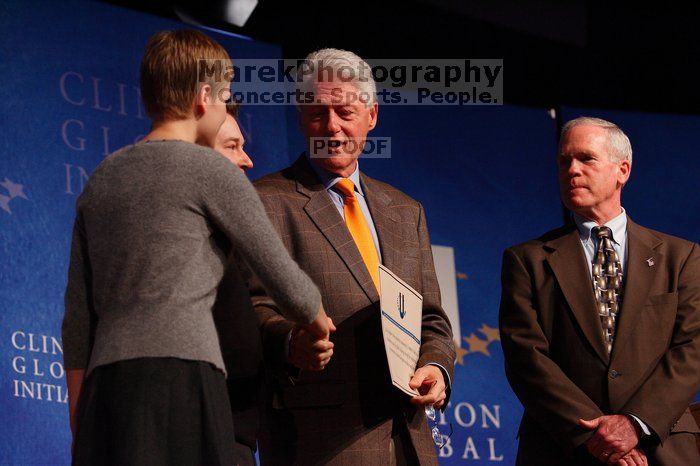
(402, 315)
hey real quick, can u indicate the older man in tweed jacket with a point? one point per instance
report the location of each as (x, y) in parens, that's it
(348, 413)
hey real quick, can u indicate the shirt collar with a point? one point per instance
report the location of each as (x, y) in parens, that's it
(617, 225)
(330, 179)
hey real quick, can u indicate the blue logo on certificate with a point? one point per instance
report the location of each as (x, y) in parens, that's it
(401, 305)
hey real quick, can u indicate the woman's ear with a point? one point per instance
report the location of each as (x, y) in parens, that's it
(202, 99)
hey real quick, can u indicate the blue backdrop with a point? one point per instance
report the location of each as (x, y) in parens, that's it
(69, 98)
(486, 176)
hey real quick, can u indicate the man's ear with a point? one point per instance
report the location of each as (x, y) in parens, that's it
(623, 172)
(373, 113)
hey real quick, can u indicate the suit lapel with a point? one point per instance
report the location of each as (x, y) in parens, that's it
(639, 276)
(384, 219)
(568, 262)
(324, 214)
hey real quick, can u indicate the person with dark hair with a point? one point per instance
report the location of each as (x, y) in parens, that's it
(230, 141)
(153, 228)
(238, 331)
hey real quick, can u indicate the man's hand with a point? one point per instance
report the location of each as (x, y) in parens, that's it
(309, 353)
(614, 438)
(635, 457)
(430, 383)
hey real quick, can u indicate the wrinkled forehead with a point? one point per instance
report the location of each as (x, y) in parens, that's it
(584, 139)
(335, 92)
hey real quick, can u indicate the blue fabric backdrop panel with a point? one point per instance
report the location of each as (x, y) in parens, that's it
(70, 96)
(662, 191)
(487, 178)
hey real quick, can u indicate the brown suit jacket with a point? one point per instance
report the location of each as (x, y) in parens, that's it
(343, 415)
(556, 360)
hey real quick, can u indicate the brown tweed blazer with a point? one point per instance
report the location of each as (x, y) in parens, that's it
(343, 415)
(556, 359)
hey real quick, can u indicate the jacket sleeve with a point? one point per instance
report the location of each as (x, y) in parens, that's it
(437, 344)
(550, 398)
(677, 375)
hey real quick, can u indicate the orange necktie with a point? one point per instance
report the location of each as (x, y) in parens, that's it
(357, 224)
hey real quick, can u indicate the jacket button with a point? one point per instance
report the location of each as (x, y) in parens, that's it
(614, 374)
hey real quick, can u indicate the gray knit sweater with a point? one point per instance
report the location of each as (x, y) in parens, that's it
(153, 228)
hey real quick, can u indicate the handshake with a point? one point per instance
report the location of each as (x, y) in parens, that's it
(310, 347)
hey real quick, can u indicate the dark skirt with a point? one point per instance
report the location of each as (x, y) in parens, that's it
(155, 411)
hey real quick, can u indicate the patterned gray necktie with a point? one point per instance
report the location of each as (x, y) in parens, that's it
(607, 283)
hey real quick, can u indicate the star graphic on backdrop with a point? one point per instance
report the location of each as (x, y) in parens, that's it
(461, 352)
(14, 189)
(477, 345)
(490, 333)
(5, 203)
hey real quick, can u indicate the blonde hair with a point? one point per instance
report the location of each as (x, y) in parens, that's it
(171, 72)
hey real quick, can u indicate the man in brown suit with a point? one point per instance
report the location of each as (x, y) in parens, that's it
(602, 344)
(238, 332)
(347, 411)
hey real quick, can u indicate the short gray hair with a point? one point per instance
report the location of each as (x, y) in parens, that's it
(345, 65)
(618, 142)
